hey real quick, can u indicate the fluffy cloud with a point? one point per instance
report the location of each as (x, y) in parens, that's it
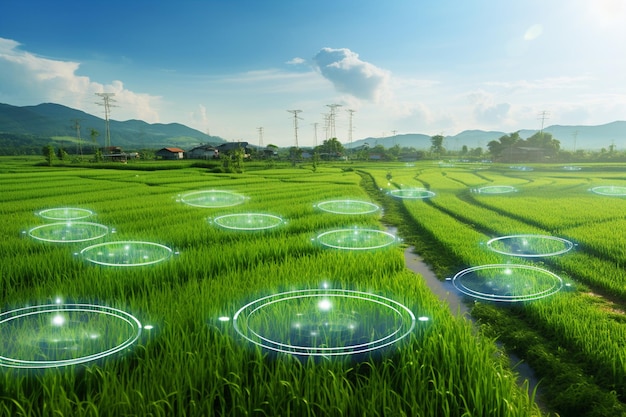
(488, 112)
(29, 79)
(350, 75)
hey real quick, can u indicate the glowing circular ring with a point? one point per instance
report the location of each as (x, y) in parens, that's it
(411, 193)
(610, 190)
(44, 331)
(348, 207)
(356, 239)
(496, 189)
(68, 232)
(500, 285)
(65, 213)
(248, 221)
(212, 199)
(522, 245)
(317, 329)
(126, 253)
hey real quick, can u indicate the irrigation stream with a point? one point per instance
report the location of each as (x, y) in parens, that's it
(458, 305)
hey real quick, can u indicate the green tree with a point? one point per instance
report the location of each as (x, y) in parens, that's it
(48, 153)
(331, 147)
(437, 145)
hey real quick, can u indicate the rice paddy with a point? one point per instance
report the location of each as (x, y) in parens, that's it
(317, 315)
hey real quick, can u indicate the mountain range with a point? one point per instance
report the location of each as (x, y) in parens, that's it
(36, 126)
(31, 127)
(571, 138)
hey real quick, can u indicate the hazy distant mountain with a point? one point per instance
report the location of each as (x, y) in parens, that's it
(41, 124)
(571, 138)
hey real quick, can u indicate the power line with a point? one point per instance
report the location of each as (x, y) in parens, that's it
(295, 123)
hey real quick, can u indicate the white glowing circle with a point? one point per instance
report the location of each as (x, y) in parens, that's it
(65, 213)
(212, 199)
(126, 253)
(411, 193)
(224, 318)
(507, 283)
(56, 335)
(530, 246)
(356, 239)
(353, 207)
(496, 189)
(324, 322)
(248, 221)
(610, 190)
(68, 232)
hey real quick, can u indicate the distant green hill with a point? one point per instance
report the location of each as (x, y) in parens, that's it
(26, 129)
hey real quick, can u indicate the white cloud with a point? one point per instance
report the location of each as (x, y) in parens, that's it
(29, 79)
(296, 61)
(350, 75)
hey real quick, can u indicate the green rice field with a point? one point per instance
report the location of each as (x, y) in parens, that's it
(253, 301)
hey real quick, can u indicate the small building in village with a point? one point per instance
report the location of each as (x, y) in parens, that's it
(203, 152)
(170, 153)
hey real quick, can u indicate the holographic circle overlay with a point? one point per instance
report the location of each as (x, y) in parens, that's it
(354, 207)
(126, 253)
(248, 221)
(496, 189)
(68, 232)
(324, 322)
(65, 213)
(530, 246)
(411, 193)
(610, 190)
(56, 335)
(507, 283)
(356, 239)
(212, 199)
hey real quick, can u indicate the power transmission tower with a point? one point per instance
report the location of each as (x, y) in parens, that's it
(351, 114)
(543, 115)
(260, 129)
(295, 123)
(79, 143)
(393, 133)
(331, 118)
(106, 98)
(575, 134)
(315, 133)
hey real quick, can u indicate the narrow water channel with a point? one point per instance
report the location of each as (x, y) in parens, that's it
(446, 292)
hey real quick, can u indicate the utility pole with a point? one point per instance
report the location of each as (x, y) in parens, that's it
(106, 98)
(543, 115)
(331, 119)
(260, 129)
(295, 123)
(393, 132)
(575, 134)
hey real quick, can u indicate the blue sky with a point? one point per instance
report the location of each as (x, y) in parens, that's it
(403, 66)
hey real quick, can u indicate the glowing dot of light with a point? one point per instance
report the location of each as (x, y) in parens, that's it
(224, 318)
(58, 320)
(325, 305)
(423, 318)
(148, 327)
